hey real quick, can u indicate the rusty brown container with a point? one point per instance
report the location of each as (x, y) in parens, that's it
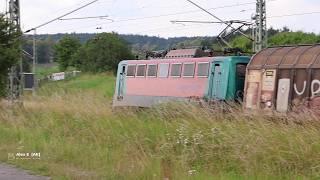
(283, 78)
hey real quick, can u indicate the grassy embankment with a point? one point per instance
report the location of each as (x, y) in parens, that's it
(79, 136)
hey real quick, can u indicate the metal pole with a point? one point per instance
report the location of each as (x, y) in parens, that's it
(260, 37)
(260, 25)
(34, 62)
(21, 73)
(16, 78)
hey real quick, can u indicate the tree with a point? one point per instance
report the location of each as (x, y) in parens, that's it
(243, 43)
(9, 50)
(293, 38)
(64, 50)
(102, 53)
(44, 49)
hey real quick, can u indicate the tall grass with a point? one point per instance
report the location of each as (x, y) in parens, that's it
(80, 136)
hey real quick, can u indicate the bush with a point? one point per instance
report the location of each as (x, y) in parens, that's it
(64, 51)
(9, 50)
(102, 53)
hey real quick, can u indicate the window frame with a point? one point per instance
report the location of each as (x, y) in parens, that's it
(135, 70)
(145, 70)
(245, 69)
(208, 70)
(171, 70)
(168, 70)
(194, 69)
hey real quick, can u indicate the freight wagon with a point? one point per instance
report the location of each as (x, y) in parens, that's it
(281, 78)
(145, 83)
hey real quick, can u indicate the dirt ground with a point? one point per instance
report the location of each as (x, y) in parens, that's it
(8, 172)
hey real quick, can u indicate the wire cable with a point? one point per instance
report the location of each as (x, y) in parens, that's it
(164, 15)
(294, 14)
(214, 16)
(184, 12)
(90, 17)
(75, 10)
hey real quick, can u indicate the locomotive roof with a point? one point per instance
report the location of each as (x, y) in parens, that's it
(183, 60)
(286, 57)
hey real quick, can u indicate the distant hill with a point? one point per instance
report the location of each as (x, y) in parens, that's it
(140, 44)
(138, 41)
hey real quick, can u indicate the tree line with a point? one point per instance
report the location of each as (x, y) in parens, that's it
(99, 54)
(9, 50)
(102, 52)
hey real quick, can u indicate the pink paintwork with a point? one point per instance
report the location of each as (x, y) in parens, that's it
(170, 86)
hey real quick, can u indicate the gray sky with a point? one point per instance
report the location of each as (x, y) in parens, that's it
(152, 17)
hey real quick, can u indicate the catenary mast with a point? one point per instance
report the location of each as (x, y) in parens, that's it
(16, 79)
(260, 34)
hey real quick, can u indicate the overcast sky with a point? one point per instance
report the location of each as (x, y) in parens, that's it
(152, 17)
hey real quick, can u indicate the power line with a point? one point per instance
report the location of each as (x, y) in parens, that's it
(175, 28)
(213, 22)
(165, 15)
(188, 12)
(184, 12)
(90, 17)
(173, 14)
(294, 14)
(290, 15)
(228, 25)
(59, 11)
(5, 6)
(46, 23)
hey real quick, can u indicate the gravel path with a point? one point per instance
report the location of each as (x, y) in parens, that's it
(8, 172)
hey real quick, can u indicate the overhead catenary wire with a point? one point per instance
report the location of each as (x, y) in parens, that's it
(294, 14)
(184, 12)
(166, 15)
(55, 19)
(290, 15)
(89, 17)
(59, 11)
(5, 6)
(212, 22)
(228, 24)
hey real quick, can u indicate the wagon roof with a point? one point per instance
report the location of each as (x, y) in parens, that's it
(302, 56)
(182, 52)
(184, 60)
(156, 61)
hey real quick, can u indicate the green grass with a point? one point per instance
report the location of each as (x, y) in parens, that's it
(79, 136)
(45, 70)
(102, 84)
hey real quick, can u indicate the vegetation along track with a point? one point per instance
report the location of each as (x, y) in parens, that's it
(79, 136)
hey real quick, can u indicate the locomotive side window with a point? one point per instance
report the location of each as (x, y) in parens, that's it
(203, 69)
(175, 70)
(141, 70)
(188, 69)
(163, 70)
(131, 70)
(241, 70)
(152, 70)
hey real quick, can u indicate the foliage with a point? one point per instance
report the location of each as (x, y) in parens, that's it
(9, 50)
(242, 42)
(140, 44)
(102, 53)
(64, 50)
(294, 38)
(44, 49)
(43, 70)
(80, 136)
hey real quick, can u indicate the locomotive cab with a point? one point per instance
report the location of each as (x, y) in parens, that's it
(227, 78)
